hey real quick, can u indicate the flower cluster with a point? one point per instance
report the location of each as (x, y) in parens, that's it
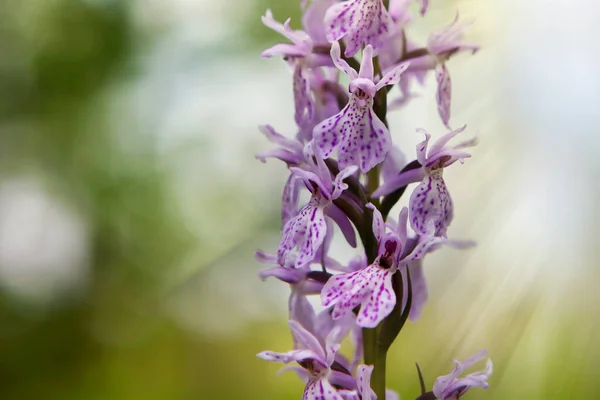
(343, 155)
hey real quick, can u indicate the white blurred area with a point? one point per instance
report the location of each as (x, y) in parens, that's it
(43, 243)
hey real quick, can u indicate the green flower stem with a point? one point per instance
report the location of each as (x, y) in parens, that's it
(375, 352)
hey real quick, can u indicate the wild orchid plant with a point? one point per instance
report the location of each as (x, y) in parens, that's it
(343, 155)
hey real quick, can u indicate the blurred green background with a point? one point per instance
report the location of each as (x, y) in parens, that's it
(131, 202)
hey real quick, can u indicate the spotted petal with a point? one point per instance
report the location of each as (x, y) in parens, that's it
(320, 390)
(381, 300)
(370, 287)
(303, 101)
(443, 95)
(431, 208)
(360, 22)
(358, 134)
(306, 232)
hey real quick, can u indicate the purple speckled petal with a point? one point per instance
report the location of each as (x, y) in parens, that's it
(419, 290)
(378, 224)
(306, 232)
(360, 22)
(369, 142)
(431, 208)
(381, 300)
(359, 134)
(320, 390)
(422, 147)
(443, 95)
(363, 381)
(393, 76)
(289, 199)
(347, 291)
(369, 287)
(303, 101)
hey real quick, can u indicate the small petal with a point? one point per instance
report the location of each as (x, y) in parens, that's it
(304, 104)
(320, 390)
(363, 381)
(378, 224)
(307, 340)
(289, 199)
(381, 301)
(444, 94)
(393, 76)
(340, 63)
(419, 290)
(431, 209)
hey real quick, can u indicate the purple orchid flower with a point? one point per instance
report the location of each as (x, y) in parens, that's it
(431, 209)
(316, 361)
(307, 230)
(361, 138)
(298, 53)
(441, 45)
(359, 22)
(450, 387)
(371, 287)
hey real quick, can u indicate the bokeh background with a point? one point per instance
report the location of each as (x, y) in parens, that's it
(131, 202)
